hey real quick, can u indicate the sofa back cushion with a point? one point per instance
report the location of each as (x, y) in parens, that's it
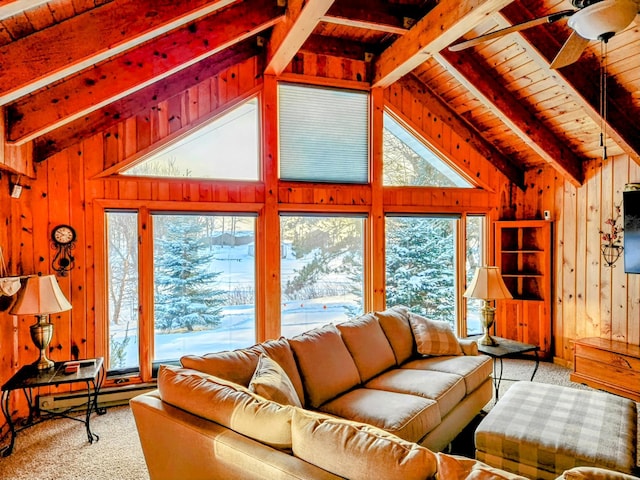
(227, 404)
(237, 366)
(357, 450)
(325, 364)
(395, 324)
(368, 345)
(280, 351)
(271, 382)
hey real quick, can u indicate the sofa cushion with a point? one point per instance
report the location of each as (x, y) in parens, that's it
(459, 468)
(271, 382)
(475, 369)
(445, 388)
(593, 473)
(368, 345)
(326, 366)
(237, 366)
(433, 337)
(408, 416)
(280, 351)
(228, 404)
(358, 451)
(395, 324)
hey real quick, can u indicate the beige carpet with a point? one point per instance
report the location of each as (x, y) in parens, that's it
(58, 449)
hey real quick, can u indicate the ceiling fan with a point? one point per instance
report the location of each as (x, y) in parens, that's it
(591, 20)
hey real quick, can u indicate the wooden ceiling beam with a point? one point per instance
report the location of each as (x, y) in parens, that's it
(436, 30)
(374, 15)
(290, 35)
(478, 79)
(93, 36)
(50, 108)
(578, 81)
(336, 47)
(448, 116)
(101, 120)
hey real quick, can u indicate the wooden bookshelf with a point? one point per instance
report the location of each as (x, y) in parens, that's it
(523, 254)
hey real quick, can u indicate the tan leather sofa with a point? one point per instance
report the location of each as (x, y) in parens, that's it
(207, 421)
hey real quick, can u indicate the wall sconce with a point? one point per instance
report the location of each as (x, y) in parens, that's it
(610, 247)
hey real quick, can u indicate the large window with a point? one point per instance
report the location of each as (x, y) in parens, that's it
(321, 270)
(122, 290)
(204, 284)
(421, 265)
(324, 134)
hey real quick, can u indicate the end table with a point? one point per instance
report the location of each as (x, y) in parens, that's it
(504, 349)
(29, 378)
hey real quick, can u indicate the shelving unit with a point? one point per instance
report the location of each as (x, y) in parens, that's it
(523, 253)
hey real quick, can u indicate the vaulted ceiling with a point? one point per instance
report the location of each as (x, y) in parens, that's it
(69, 68)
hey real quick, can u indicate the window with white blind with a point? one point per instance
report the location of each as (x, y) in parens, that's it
(324, 134)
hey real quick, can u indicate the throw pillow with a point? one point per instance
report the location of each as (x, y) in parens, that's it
(272, 382)
(356, 450)
(434, 337)
(229, 404)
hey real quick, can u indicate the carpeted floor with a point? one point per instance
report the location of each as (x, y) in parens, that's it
(58, 449)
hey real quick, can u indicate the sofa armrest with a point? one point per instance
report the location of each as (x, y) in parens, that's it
(469, 346)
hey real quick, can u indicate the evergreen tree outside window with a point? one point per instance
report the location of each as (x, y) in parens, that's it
(421, 265)
(204, 284)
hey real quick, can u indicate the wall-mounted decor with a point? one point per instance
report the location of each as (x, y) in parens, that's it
(611, 237)
(631, 231)
(63, 238)
(8, 285)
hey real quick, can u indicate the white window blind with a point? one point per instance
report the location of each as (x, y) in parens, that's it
(323, 134)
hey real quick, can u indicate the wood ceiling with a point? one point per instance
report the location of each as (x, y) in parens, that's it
(69, 68)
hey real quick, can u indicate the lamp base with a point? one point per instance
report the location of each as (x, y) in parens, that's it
(41, 333)
(488, 315)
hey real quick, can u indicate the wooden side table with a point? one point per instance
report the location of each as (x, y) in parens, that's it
(28, 378)
(507, 348)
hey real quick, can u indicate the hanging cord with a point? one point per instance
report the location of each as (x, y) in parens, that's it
(3, 267)
(603, 96)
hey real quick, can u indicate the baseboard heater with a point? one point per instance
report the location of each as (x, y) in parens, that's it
(107, 397)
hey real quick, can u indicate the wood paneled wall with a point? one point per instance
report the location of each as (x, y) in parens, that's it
(68, 186)
(590, 298)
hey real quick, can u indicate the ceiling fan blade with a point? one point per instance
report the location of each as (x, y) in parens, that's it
(554, 17)
(570, 51)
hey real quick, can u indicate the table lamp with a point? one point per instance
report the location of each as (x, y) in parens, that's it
(487, 284)
(41, 296)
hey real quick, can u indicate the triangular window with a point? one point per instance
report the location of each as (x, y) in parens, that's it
(408, 161)
(226, 148)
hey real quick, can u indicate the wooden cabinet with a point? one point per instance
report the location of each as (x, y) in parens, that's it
(608, 365)
(523, 253)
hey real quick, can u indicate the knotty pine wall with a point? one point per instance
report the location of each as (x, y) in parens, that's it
(70, 187)
(591, 299)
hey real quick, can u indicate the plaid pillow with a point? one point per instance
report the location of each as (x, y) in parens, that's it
(272, 382)
(433, 337)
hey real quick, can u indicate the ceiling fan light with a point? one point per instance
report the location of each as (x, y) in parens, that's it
(602, 18)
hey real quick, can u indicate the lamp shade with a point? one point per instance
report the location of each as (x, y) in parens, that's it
(487, 284)
(40, 296)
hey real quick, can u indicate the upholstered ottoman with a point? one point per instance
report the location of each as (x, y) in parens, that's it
(539, 431)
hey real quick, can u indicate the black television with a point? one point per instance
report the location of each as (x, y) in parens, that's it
(631, 207)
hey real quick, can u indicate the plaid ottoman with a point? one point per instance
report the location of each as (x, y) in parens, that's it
(539, 431)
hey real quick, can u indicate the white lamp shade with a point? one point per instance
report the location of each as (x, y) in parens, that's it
(41, 295)
(487, 284)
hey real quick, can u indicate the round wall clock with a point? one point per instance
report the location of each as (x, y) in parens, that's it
(63, 235)
(63, 238)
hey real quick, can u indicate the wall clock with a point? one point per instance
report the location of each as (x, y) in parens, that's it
(63, 238)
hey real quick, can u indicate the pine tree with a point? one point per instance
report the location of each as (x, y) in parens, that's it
(185, 289)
